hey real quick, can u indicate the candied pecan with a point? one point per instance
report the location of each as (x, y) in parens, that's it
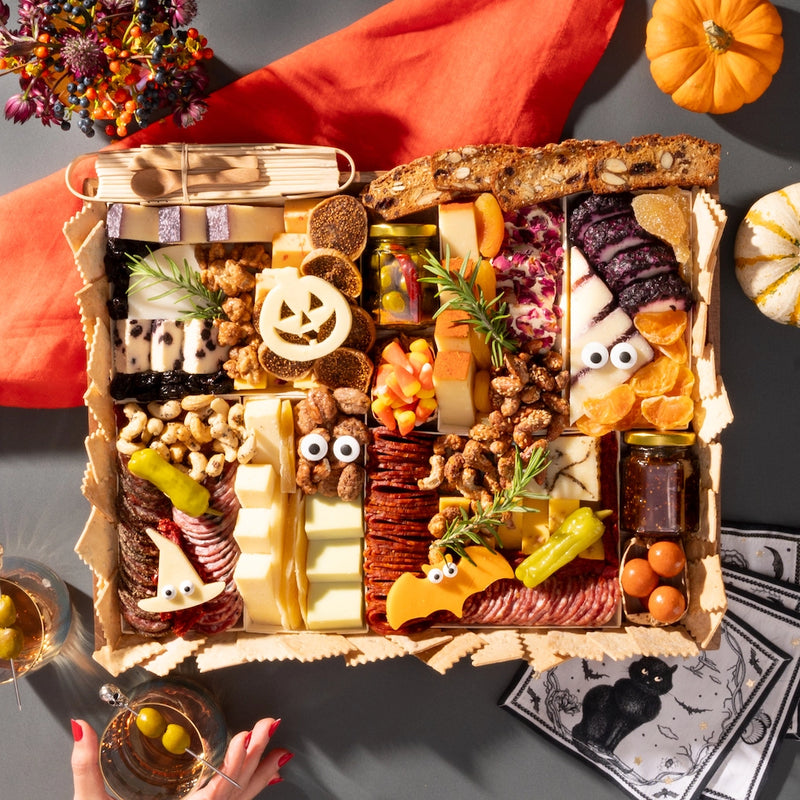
(238, 309)
(553, 361)
(234, 278)
(506, 385)
(448, 444)
(453, 468)
(352, 426)
(557, 426)
(562, 380)
(350, 483)
(323, 404)
(303, 476)
(556, 402)
(510, 406)
(530, 394)
(516, 368)
(228, 333)
(351, 401)
(243, 363)
(542, 378)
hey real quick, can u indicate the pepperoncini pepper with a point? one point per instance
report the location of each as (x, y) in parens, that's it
(185, 493)
(581, 529)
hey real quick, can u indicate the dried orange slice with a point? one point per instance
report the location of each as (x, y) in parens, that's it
(661, 327)
(612, 406)
(684, 383)
(590, 428)
(668, 413)
(657, 377)
(665, 215)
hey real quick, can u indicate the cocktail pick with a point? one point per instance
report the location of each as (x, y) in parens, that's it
(115, 697)
(16, 684)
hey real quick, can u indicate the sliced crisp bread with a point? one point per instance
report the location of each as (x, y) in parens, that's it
(371, 648)
(404, 190)
(650, 162)
(498, 646)
(544, 173)
(444, 657)
(472, 169)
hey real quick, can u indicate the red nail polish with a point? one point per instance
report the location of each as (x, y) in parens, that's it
(272, 728)
(77, 731)
(285, 759)
(276, 779)
(247, 739)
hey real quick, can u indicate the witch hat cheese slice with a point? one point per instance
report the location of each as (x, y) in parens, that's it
(179, 585)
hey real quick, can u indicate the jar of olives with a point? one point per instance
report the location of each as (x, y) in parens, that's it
(659, 484)
(394, 294)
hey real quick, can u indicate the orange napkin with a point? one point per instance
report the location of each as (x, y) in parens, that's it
(408, 79)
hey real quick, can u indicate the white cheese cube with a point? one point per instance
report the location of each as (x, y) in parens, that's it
(254, 485)
(574, 469)
(252, 529)
(337, 560)
(335, 606)
(331, 518)
(166, 345)
(257, 578)
(202, 353)
(136, 334)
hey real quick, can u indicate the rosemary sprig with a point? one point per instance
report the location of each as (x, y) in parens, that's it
(485, 522)
(487, 316)
(147, 274)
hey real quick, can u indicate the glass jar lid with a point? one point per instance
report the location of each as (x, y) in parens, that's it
(660, 438)
(386, 230)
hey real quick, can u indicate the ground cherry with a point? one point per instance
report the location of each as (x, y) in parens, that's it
(638, 578)
(666, 558)
(666, 604)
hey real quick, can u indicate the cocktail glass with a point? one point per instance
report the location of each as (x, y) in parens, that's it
(44, 613)
(138, 767)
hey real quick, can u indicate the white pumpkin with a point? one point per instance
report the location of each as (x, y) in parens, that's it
(767, 255)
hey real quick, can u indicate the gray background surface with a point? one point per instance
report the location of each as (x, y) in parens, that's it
(397, 728)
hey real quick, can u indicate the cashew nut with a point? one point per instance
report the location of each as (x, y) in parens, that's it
(200, 431)
(155, 426)
(215, 465)
(170, 433)
(160, 448)
(247, 449)
(196, 402)
(220, 406)
(128, 448)
(197, 463)
(137, 421)
(167, 410)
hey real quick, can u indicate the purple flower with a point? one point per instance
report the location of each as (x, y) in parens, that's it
(83, 54)
(20, 108)
(188, 111)
(5, 13)
(183, 12)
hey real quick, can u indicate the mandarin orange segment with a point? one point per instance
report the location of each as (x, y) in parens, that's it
(661, 327)
(677, 351)
(612, 406)
(668, 413)
(684, 383)
(633, 419)
(655, 378)
(589, 427)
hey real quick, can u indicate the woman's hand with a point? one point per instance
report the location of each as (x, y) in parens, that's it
(245, 762)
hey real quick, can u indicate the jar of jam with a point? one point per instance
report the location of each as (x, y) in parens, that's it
(659, 484)
(394, 294)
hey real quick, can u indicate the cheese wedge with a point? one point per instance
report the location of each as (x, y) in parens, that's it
(335, 606)
(453, 374)
(330, 518)
(458, 230)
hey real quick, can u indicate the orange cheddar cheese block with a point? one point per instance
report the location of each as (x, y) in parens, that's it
(458, 230)
(454, 332)
(453, 375)
(289, 249)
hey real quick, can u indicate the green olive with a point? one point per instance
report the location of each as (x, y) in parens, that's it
(11, 642)
(176, 739)
(151, 722)
(8, 611)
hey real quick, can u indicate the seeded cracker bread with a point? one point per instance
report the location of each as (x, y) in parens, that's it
(544, 173)
(648, 162)
(404, 190)
(471, 169)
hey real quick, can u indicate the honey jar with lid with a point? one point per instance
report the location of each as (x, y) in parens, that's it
(659, 484)
(394, 294)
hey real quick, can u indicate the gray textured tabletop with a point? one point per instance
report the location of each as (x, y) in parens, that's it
(397, 728)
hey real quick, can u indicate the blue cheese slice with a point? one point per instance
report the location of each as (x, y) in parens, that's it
(166, 345)
(202, 353)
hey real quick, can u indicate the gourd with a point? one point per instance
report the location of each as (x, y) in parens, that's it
(713, 56)
(767, 255)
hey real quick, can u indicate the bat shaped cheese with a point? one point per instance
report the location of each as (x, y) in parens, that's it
(444, 588)
(179, 585)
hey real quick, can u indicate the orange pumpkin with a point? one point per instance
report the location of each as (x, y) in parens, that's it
(713, 56)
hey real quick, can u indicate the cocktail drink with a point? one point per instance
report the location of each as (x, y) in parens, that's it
(161, 740)
(35, 603)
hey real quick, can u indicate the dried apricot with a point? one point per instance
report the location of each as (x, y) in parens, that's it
(668, 413)
(589, 427)
(491, 226)
(612, 406)
(664, 215)
(655, 378)
(661, 327)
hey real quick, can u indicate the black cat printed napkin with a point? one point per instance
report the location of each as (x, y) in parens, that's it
(670, 726)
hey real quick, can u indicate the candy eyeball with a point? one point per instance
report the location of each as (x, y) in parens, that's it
(313, 447)
(168, 591)
(346, 448)
(594, 355)
(435, 575)
(450, 569)
(624, 355)
(187, 588)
